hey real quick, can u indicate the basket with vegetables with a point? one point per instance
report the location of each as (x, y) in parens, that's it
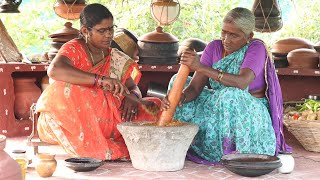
(303, 121)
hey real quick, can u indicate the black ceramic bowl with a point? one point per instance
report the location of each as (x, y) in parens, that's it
(83, 164)
(250, 165)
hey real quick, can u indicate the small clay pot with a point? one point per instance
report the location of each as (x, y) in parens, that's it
(45, 164)
(303, 58)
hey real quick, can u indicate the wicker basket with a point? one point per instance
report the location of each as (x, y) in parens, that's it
(306, 131)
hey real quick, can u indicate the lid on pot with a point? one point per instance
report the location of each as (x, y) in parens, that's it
(285, 45)
(67, 30)
(158, 36)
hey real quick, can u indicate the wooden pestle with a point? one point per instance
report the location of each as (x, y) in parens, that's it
(174, 95)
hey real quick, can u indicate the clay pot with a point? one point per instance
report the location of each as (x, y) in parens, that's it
(68, 11)
(9, 168)
(72, 1)
(155, 148)
(270, 25)
(51, 55)
(26, 93)
(265, 8)
(303, 58)
(158, 47)
(65, 31)
(317, 48)
(286, 45)
(45, 164)
(125, 41)
(197, 44)
(44, 82)
(56, 45)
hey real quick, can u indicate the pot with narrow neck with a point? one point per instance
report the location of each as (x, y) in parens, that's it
(26, 93)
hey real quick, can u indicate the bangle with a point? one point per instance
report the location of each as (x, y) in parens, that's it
(100, 81)
(135, 93)
(95, 80)
(220, 76)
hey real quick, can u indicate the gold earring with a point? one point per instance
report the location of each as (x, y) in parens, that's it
(86, 38)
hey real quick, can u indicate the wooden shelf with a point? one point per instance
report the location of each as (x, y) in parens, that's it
(9, 125)
(298, 72)
(298, 83)
(159, 68)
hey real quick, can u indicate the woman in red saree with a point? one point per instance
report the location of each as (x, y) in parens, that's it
(80, 110)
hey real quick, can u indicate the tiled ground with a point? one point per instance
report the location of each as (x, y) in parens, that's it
(306, 167)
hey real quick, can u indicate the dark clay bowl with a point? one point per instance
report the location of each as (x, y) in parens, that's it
(83, 164)
(250, 165)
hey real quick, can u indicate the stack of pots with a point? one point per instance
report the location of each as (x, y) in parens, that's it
(60, 37)
(294, 52)
(158, 47)
(69, 9)
(267, 16)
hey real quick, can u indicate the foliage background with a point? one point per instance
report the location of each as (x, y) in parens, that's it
(198, 18)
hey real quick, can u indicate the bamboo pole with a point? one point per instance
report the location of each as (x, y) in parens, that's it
(174, 95)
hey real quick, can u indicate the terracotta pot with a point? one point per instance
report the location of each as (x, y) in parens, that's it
(266, 7)
(51, 55)
(44, 82)
(303, 58)
(26, 93)
(56, 45)
(317, 48)
(158, 47)
(70, 12)
(72, 1)
(125, 41)
(9, 168)
(45, 164)
(270, 25)
(288, 44)
(197, 44)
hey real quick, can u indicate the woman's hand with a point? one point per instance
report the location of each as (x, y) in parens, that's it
(129, 108)
(190, 58)
(165, 104)
(114, 85)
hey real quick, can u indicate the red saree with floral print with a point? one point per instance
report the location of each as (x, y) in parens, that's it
(83, 120)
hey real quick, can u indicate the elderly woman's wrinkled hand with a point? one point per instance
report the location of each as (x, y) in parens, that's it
(190, 58)
(165, 104)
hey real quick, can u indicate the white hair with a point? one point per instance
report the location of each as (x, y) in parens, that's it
(243, 18)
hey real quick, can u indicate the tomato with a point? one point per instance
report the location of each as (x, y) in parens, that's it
(295, 117)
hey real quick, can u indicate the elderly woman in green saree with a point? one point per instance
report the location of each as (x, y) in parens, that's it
(241, 112)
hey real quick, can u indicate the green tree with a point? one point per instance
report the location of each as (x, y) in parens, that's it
(198, 18)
